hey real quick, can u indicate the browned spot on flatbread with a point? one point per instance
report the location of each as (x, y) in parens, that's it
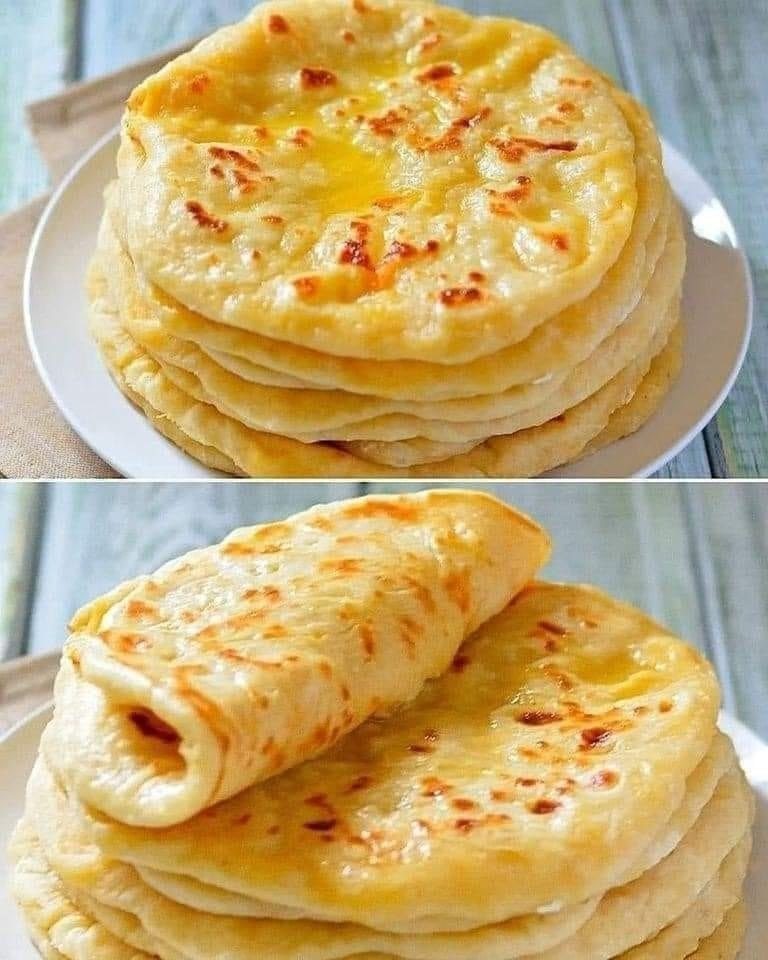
(457, 587)
(204, 219)
(278, 24)
(306, 287)
(313, 77)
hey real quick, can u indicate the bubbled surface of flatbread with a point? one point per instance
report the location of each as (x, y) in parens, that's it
(553, 346)
(238, 660)
(378, 179)
(699, 789)
(535, 769)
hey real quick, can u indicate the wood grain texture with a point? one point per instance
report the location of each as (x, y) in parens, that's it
(728, 536)
(701, 66)
(692, 555)
(36, 44)
(21, 513)
(113, 34)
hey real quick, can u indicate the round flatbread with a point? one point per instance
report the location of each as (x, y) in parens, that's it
(624, 917)
(384, 180)
(316, 415)
(555, 346)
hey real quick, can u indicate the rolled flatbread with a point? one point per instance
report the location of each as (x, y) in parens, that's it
(240, 660)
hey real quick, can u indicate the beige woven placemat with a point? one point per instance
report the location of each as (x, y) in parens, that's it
(35, 441)
(25, 685)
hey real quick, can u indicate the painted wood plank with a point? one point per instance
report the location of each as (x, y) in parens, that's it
(25, 685)
(113, 34)
(97, 535)
(728, 531)
(701, 67)
(20, 510)
(692, 463)
(37, 39)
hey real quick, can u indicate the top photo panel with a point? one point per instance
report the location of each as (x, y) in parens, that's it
(388, 239)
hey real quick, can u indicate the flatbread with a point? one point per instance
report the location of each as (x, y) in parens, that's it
(237, 661)
(119, 887)
(725, 942)
(316, 415)
(647, 398)
(256, 454)
(58, 929)
(710, 930)
(699, 790)
(623, 918)
(312, 415)
(705, 918)
(419, 452)
(556, 346)
(289, 238)
(563, 665)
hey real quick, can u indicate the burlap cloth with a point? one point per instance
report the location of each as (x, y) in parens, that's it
(35, 441)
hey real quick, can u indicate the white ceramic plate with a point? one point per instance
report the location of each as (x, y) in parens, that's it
(19, 748)
(718, 311)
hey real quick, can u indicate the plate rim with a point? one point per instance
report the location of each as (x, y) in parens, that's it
(749, 284)
(113, 459)
(29, 267)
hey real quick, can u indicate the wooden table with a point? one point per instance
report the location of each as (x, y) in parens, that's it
(693, 555)
(701, 66)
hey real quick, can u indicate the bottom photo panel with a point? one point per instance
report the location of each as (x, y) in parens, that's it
(320, 721)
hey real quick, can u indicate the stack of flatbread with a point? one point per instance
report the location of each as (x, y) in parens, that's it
(365, 733)
(358, 238)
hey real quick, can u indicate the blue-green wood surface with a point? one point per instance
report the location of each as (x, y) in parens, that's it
(701, 65)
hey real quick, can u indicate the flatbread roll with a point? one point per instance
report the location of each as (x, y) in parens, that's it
(237, 661)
